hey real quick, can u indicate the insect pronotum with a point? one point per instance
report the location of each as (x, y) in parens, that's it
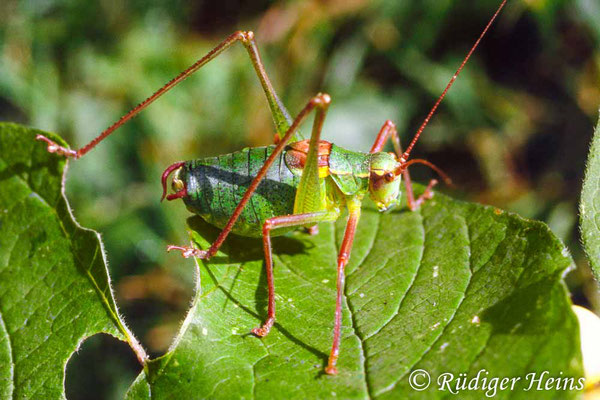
(311, 181)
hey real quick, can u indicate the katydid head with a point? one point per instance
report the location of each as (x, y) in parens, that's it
(177, 184)
(386, 175)
(384, 183)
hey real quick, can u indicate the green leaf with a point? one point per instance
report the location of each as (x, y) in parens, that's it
(589, 208)
(454, 287)
(54, 285)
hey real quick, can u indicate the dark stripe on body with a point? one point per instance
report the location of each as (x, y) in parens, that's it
(249, 172)
(229, 176)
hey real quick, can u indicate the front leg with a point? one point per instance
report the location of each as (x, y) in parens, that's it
(428, 193)
(388, 132)
(343, 258)
(413, 204)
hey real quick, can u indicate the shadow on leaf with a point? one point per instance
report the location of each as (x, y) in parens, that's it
(240, 249)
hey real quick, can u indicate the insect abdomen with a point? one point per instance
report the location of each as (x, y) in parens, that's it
(215, 186)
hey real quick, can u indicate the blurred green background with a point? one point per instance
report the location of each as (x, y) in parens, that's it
(513, 132)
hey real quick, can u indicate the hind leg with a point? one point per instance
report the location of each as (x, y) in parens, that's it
(280, 115)
(320, 103)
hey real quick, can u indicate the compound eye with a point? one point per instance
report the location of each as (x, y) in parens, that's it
(389, 176)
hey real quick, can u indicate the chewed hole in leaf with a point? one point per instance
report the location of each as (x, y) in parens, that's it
(103, 367)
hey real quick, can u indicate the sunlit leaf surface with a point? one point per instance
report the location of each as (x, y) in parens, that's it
(454, 287)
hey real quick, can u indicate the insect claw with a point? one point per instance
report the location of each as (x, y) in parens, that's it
(55, 148)
(428, 191)
(331, 370)
(265, 329)
(313, 230)
(260, 332)
(189, 251)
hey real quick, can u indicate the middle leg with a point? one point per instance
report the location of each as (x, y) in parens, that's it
(282, 222)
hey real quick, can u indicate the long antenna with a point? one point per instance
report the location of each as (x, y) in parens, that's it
(439, 100)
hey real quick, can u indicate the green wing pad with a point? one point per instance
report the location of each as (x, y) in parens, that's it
(349, 169)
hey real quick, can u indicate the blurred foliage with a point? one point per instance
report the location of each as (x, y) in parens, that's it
(513, 132)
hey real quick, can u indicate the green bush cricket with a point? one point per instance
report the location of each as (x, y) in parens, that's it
(307, 181)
